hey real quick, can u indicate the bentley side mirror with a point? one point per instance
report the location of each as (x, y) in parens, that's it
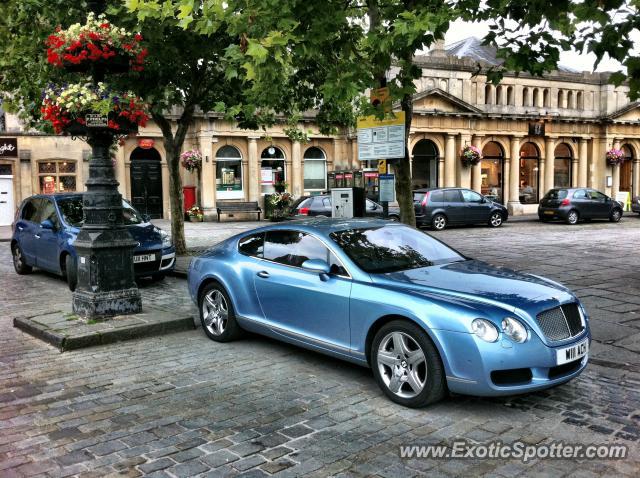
(319, 266)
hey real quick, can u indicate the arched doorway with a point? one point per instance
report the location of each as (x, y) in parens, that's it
(424, 165)
(146, 181)
(272, 169)
(626, 169)
(492, 171)
(529, 173)
(562, 166)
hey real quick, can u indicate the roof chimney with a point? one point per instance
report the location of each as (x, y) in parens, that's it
(437, 49)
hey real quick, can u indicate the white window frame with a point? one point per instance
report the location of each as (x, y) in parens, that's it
(229, 194)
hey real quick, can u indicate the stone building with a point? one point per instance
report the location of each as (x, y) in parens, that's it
(534, 134)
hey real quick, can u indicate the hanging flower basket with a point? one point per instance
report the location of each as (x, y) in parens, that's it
(470, 156)
(614, 156)
(71, 109)
(191, 160)
(97, 43)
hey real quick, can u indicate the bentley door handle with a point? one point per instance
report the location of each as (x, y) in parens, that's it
(263, 274)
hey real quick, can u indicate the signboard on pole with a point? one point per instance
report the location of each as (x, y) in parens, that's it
(387, 187)
(381, 139)
(96, 121)
(624, 197)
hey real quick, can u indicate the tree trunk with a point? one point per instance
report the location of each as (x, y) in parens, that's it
(173, 147)
(404, 192)
(175, 194)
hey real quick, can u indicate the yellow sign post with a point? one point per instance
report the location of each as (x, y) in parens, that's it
(382, 166)
(381, 138)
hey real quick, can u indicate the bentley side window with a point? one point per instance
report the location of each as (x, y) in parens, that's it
(252, 245)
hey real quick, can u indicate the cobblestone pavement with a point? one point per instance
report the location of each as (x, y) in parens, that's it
(182, 405)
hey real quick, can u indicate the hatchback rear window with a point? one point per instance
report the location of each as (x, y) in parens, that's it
(417, 197)
(556, 194)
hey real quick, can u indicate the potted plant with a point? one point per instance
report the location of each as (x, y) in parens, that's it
(69, 107)
(470, 156)
(614, 156)
(195, 214)
(97, 43)
(191, 160)
(280, 204)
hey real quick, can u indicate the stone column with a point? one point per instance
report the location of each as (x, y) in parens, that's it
(476, 171)
(615, 172)
(574, 172)
(450, 161)
(464, 173)
(296, 181)
(207, 174)
(550, 164)
(166, 196)
(441, 171)
(254, 169)
(583, 163)
(514, 205)
(635, 176)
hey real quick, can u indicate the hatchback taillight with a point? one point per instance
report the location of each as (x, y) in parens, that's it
(565, 202)
(425, 199)
(304, 211)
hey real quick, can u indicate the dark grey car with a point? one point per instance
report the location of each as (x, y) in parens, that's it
(440, 207)
(575, 204)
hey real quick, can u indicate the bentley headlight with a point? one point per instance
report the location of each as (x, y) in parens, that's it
(485, 330)
(514, 329)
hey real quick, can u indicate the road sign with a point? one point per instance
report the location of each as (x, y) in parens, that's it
(381, 139)
(387, 187)
(380, 96)
(382, 166)
(624, 197)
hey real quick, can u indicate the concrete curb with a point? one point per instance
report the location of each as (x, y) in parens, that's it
(64, 342)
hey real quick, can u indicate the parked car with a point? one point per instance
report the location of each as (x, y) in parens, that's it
(635, 204)
(46, 227)
(381, 294)
(439, 208)
(320, 205)
(575, 204)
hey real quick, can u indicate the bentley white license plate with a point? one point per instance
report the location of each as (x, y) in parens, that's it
(144, 258)
(575, 352)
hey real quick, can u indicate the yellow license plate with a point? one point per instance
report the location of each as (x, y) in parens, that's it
(550, 213)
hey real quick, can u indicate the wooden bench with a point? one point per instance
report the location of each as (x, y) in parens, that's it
(230, 207)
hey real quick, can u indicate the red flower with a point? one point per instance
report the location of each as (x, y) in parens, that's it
(137, 37)
(105, 26)
(94, 36)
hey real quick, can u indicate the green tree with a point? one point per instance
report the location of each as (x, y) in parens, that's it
(184, 70)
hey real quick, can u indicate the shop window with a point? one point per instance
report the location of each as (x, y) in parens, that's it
(5, 170)
(491, 171)
(529, 173)
(57, 176)
(229, 173)
(562, 166)
(272, 170)
(424, 164)
(315, 169)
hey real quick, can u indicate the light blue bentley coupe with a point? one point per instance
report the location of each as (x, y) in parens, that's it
(425, 318)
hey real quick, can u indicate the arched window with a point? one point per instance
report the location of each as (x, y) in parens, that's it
(315, 169)
(529, 173)
(424, 164)
(579, 100)
(626, 169)
(510, 98)
(561, 99)
(562, 167)
(488, 95)
(492, 171)
(526, 100)
(229, 173)
(272, 170)
(545, 98)
(536, 98)
(570, 104)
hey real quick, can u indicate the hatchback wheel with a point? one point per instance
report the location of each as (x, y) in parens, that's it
(573, 217)
(615, 216)
(217, 314)
(71, 272)
(439, 222)
(19, 263)
(495, 220)
(407, 365)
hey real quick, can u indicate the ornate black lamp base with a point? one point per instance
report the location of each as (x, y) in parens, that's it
(106, 282)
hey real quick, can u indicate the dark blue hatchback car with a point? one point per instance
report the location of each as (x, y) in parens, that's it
(46, 226)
